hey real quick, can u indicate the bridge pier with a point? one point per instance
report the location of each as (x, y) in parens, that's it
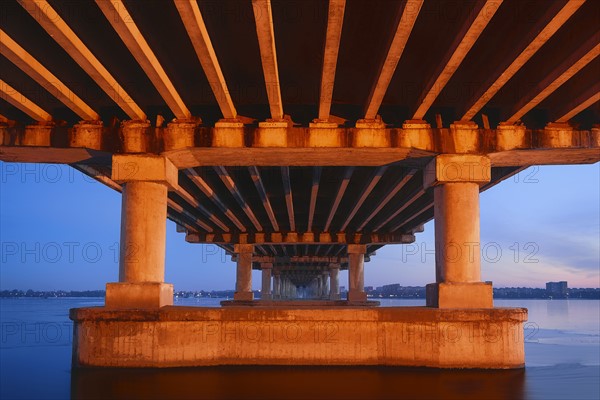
(243, 284)
(265, 292)
(146, 180)
(356, 272)
(456, 180)
(334, 286)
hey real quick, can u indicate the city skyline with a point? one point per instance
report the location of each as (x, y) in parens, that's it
(60, 230)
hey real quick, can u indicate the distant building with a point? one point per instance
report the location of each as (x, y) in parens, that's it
(557, 290)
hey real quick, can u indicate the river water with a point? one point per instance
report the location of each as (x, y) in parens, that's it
(562, 346)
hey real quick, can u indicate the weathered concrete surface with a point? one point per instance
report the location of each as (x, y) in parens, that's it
(192, 336)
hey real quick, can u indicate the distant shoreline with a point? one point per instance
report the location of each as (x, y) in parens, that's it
(386, 292)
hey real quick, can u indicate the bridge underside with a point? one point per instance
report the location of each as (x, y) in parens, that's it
(300, 148)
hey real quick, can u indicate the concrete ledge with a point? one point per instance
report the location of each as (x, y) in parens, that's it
(194, 336)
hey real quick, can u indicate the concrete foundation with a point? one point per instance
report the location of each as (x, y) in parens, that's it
(192, 336)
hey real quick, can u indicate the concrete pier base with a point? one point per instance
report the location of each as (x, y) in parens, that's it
(194, 336)
(460, 295)
(139, 295)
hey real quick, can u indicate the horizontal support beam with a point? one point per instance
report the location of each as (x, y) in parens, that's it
(497, 144)
(297, 259)
(300, 238)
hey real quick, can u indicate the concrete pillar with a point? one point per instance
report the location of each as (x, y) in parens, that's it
(319, 286)
(356, 272)
(266, 281)
(334, 286)
(243, 283)
(456, 180)
(325, 280)
(276, 284)
(146, 181)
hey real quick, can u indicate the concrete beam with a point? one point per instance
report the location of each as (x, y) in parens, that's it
(409, 201)
(32, 67)
(212, 195)
(298, 260)
(266, 42)
(289, 200)
(467, 38)
(550, 85)
(255, 174)
(542, 37)
(403, 30)
(194, 24)
(580, 107)
(122, 22)
(237, 195)
(313, 196)
(335, 20)
(300, 238)
(196, 206)
(338, 198)
(17, 99)
(392, 191)
(57, 28)
(373, 181)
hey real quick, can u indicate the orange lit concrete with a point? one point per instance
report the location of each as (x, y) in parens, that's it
(193, 336)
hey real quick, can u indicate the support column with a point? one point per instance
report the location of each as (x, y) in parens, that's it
(456, 180)
(319, 292)
(265, 292)
(334, 285)
(276, 284)
(243, 283)
(356, 272)
(146, 181)
(325, 283)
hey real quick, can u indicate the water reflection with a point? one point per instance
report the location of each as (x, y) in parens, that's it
(277, 382)
(558, 309)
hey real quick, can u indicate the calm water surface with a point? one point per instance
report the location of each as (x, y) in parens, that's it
(562, 356)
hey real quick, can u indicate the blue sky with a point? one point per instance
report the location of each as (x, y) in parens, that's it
(59, 230)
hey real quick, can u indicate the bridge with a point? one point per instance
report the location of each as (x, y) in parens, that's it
(301, 137)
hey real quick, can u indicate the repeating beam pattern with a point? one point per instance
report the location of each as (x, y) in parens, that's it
(233, 189)
(545, 34)
(459, 53)
(386, 199)
(212, 195)
(405, 25)
(299, 238)
(192, 201)
(17, 99)
(373, 181)
(56, 27)
(413, 216)
(32, 67)
(556, 83)
(414, 197)
(118, 16)
(196, 29)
